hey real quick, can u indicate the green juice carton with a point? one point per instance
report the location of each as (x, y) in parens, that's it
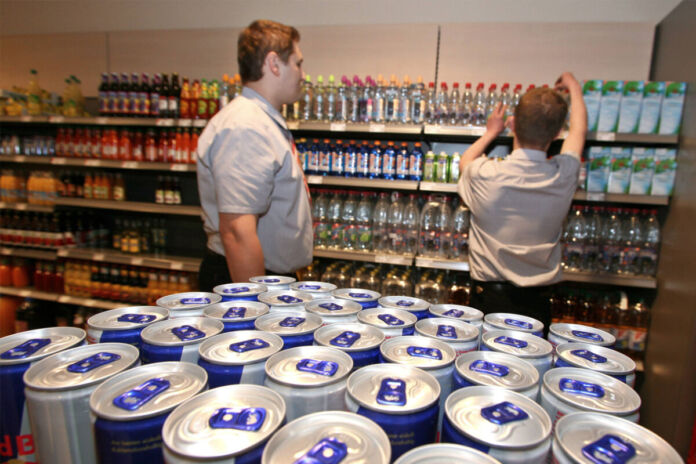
(598, 168)
(592, 94)
(631, 101)
(642, 170)
(650, 108)
(672, 106)
(609, 106)
(620, 173)
(665, 171)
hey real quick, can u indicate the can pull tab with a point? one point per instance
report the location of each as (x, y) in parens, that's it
(249, 345)
(135, 398)
(453, 313)
(327, 451)
(136, 318)
(92, 362)
(246, 419)
(25, 349)
(359, 295)
(446, 331)
(594, 337)
(270, 281)
(345, 339)
(194, 301)
(487, 367)
(392, 392)
(581, 388)
(187, 332)
(424, 352)
(325, 368)
(406, 303)
(590, 356)
(310, 287)
(519, 324)
(390, 320)
(331, 306)
(509, 341)
(289, 299)
(236, 290)
(235, 313)
(504, 413)
(609, 449)
(291, 321)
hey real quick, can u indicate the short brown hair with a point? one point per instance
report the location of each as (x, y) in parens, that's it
(257, 40)
(539, 116)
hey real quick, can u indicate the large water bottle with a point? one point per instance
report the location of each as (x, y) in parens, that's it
(491, 100)
(363, 160)
(306, 99)
(442, 105)
(651, 244)
(591, 251)
(379, 100)
(575, 233)
(320, 216)
(380, 231)
(467, 104)
(343, 100)
(418, 102)
(363, 221)
(366, 101)
(313, 157)
(349, 237)
(431, 104)
(405, 101)
(410, 224)
(395, 224)
(330, 94)
(454, 106)
(506, 99)
(319, 101)
(429, 242)
(478, 112)
(334, 219)
(612, 242)
(391, 97)
(460, 232)
(356, 91)
(633, 239)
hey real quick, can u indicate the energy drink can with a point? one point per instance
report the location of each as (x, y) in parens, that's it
(366, 298)
(286, 300)
(445, 452)
(464, 313)
(317, 289)
(461, 336)
(334, 310)
(236, 314)
(597, 358)
(18, 353)
(403, 400)
(238, 357)
(129, 409)
(273, 282)
(489, 368)
(507, 321)
(309, 378)
(392, 322)
(58, 390)
(123, 325)
(330, 437)
(188, 304)
(527, 346)
(562, 333)
(240, 291)
(361, 342)
(177, 339)
(415, 306)
(223, 425)
(295, 328)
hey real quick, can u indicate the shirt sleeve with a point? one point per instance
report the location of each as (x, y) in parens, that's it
(569, 164)
(243, 164)
(467, 180)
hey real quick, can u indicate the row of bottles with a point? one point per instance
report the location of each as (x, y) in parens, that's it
(15, 272)
(611, 240)
(45, 276)
(29, 314)
(92, 185)
(135, 236)
(53, 230)
(34, 187)
(168, 191)
(33, 145)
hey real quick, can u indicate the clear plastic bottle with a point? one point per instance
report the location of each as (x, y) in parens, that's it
(431, 105)
(591, 252)
(391, 97)
(320, 208)
(306, 99)
(405, 101)
(651, 244)
(355, 95)
(454, 106)
(365, 101)
(467, 105)
(491, 100)
(334, 218)
(418, 102)
(395, 224)
(429, 241)
(633, 239)
(379, 100)
(348, 221)
(380, 230)
(363, 222)
(478, 112)
(575, 233)
(612, 242)
(330, 97)
(343, 100)
(460, 232)
(410, 224)
(318, 100)
(441, 115)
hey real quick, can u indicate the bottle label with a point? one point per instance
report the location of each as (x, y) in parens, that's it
(163, 105)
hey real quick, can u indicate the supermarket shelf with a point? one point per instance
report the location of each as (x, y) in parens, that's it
(176, 263)
(610, 279)
(24, 119)
(98, 163)
(32, 253)
(632, 138)
(437, 187)
(448, 264)
(107, 121)
(461, 131)
(363, 183)
(365, 256)
(371, 128)
(27, 207)
(132, 206)
(657, 200)
(60, 298)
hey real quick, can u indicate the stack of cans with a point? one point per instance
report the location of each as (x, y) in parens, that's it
(236, 314)
(240, 291)
(123, 325)
(188, 304)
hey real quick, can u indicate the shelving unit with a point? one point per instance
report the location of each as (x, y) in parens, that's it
(98, 163)
(27, 207)
(365, 256)
(131, 206)
(60, 298)
(174, 263)
(32, 253)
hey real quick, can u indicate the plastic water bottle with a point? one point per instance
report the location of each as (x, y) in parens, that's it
(506, 99)
(611, 242)
(405, 101)
(363, 221)
(591, 254)
(350, 160)
(454, 106)
(389, 161)
(380, 231)
(442, 168)
(415, 162)
(418, 102)
(363, 158)
(320, 216)
(431, 104)
(460, 232)
(402, 162)
(306, 99)
(356, 99)
(313, 156)
(429, 240)
(633, 239)
(429, 167)
(343, 100)
(410, 224)
(330, 94)
(516, 95)
(375, 167)
(454, 167)
(334, 219)
(319, 102)
(478, 112)
(491, 100)
(650, 246)
(467, 105)
(395, 224)
(575, 233)
(365, 102)
(379, 100)
(442, 105)
(391, 96)
(324, 158)
(348, 221)
(337, 158)
(444, 225)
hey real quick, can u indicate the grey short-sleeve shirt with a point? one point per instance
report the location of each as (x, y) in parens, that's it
(246, 165)
(517, 210)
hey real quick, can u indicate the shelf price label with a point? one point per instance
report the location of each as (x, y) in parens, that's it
(92, 162)
(377, 127)
(137, 261)
(129, 165)
(59, 161)
(102, 121)
(315, 180)
(56, 119)
(164, 122)
(606, 136)
(293, 125)
(338, 127)
(178, 167)
(393, 259)
(596, 196)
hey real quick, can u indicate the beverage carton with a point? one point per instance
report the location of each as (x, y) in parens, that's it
(650, 108)
(642, 170)
(620, 175)
(672, 106)
(592, 94)
(630, 106)
(598, 168)
(609, 106)
(665, 171)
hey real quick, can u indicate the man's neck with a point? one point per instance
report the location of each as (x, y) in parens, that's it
(516, 144)
(262, 89)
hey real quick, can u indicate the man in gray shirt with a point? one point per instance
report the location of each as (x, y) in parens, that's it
(255, 202)
(518, 205)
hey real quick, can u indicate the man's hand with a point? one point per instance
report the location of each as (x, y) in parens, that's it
(494, 126)
(496, 121)
(566, 82)
(575, 140)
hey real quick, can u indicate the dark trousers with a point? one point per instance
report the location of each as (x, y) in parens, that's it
(505, 297)
(213, 271)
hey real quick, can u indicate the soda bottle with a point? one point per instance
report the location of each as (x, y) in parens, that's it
(174, 96)
(418, 102)
(363, 160)
(391, 97)
(415, 163)
(313, 155)
(123, 98)
(478, 114)
(375, 161)
(333, 215)
(402, 162)
(195, 96)
(454, 106)
(134, 96)
(203, 99)
(363, 220)
(441, 173)
(350, 160)
(324, 158)
(429, 167)
(330, 97)
(213, 99)
(185, 100)
(144, 96)
(395, 219)
(467, 105)
(431, 106)
(337, 158)
(389, 162)
(155, 96)
(460, 231)
(104, 95)
(164, 93)
(348, 221)
(318, 100)
(405, 101)
(380, 218)
(651, 243)
(442, 105)
(112, 96)
(306, 99)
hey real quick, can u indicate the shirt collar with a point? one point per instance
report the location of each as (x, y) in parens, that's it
(265, 106)
(529, 154)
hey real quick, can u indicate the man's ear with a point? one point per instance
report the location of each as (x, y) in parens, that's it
(272, 63)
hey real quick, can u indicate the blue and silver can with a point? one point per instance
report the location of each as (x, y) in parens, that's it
(240, 291)
(570, 389)
(415, 306)
(317, 289)
(309, 378)
(403, 400)
(367, 298)
(597, 358)
(129, 409)
(507, 321)
(589, 437)
(238, 357)
(330, 437)
(58, 389)
(123, 325)
(177, 339)
(188, 304)
(18, 353)
(392, 322)
(489, 368)
(334, 310)
(499, 422)
(361, 342)
(294, 327)
(463, 313)
(285, 300)
(461, 336)
(224, 425)
(273, 282)
(525, 345)
(562, 333)
(236, 314)
(445, 452)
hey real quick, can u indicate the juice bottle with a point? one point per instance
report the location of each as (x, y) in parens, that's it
(20, 273)
(119, 188)
(203, 101)
(124, 146)
(150, 146)
(8, 308)
(88, 188)
(185, 146)
(138, 149)
(5, 272)
(185, 100)
(194, 145)
(195, 96)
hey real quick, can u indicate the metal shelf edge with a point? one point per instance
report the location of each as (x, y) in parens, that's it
(607, 279)
(110, 256)
(60, 298)
(32, 253)
(27, 207)
(132, 206)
